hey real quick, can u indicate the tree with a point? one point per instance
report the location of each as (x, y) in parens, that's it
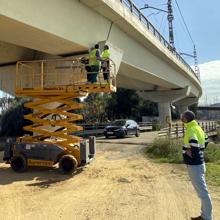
(126, 103)
(95, 107)
(148, 108)
(123, 104)
(5, 103)
(12, 119)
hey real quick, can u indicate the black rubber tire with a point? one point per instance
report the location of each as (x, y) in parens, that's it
(137, 133)
(124, 134)
(19, 163)
(106, 136)
(68, 164)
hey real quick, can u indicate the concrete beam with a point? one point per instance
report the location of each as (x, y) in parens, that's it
(10, 53)
(167, 96)
(182, 105)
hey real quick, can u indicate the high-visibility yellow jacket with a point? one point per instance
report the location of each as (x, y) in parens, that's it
(93, 61)
(106, 54)
(195, 141)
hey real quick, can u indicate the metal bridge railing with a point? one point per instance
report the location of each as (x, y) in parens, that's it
(136, 12)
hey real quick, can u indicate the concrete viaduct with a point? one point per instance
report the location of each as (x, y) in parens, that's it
(145, 61)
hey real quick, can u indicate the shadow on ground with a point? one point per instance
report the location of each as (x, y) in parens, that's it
(35, 176)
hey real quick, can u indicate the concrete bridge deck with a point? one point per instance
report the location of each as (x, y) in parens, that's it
(54, 28)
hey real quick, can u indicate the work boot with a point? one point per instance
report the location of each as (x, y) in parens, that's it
(197, 218)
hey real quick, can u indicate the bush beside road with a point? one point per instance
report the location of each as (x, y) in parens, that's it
(170, 151)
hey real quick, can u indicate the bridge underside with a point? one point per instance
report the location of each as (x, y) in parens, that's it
(146, 64)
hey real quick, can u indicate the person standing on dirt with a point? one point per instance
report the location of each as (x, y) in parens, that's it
(195, 141)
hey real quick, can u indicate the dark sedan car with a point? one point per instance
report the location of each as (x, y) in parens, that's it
(121, 128)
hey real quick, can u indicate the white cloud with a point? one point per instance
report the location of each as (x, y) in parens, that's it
(210, 79)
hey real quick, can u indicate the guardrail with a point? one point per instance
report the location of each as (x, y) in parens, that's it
(177, 130)
(142, 18)
(98, 129)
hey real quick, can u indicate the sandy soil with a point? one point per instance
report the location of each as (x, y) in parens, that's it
(119, 184)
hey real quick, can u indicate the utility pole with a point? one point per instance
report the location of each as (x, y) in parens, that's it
(170, 18)
(196, 62)
(170, 23)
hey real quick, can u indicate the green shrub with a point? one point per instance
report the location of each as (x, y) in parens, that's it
(167, 150)
(170, 151)
(212, 153)
(156, 127)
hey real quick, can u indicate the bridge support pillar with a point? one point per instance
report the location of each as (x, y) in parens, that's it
(164, 114)
(164, 100)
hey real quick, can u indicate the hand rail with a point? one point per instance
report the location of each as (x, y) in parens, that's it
(57, 73)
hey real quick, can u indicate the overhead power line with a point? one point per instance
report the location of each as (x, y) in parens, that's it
(184, 22)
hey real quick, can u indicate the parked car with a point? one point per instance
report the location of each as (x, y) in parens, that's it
(121, 128)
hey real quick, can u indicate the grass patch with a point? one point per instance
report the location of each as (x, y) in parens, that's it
(212, 153)
(167, 150)
(213, 174)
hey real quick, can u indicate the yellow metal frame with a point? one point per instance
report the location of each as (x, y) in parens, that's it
(53, 85)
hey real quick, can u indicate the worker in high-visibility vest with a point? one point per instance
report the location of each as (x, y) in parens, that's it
(195, 141)
(105, 62)
(94, 64)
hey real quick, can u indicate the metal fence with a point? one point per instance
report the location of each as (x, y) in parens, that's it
(98, 129)
(177, 130)
(142, 18)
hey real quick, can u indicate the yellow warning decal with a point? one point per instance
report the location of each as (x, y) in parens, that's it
(43, 163)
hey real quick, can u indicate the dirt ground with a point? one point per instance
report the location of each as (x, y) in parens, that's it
(121, 183)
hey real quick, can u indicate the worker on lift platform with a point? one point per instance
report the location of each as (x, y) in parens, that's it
(94, 64)
(105, 62)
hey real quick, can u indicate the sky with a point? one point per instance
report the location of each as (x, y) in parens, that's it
(203, 21)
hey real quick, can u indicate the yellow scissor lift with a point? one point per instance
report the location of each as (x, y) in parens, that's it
(55, 86)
